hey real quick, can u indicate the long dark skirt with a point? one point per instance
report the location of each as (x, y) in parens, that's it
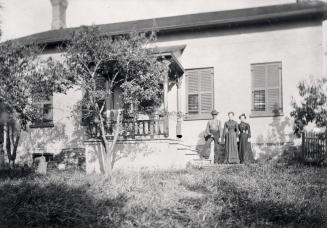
(244, 149)
(231, 148)
(219, 152)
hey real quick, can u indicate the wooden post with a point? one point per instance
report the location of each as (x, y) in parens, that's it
(166, 123)
(166, 126)
(303, 146)
(108, 106)
(324, 47)
(133, 129)
(179, 111)
(151, 126)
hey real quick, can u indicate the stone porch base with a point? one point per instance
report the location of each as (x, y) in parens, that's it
(152, 154)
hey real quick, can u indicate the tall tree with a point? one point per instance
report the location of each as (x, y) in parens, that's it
(24, 76)
(100, 64)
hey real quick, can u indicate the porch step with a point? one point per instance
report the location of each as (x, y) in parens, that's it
(186, 147)
(189, 149)
(200, 163)
(192, 154)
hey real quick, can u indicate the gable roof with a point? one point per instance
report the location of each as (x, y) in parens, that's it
(239, 17)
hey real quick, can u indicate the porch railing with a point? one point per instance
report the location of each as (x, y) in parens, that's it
(140, 128)
(314, 147)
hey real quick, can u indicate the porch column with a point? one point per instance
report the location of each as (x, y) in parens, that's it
(179, 111)
(108, 96)
(324, 47)
(108, 106)
(165, 85)
(166, 123)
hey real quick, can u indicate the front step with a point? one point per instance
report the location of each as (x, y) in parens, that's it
(200, 163)
(195, 160)
(188, 150)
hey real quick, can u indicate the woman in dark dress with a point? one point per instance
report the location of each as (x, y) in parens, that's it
(244, 149)
(230, 134)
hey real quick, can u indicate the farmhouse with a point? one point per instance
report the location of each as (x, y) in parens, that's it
(245, 60)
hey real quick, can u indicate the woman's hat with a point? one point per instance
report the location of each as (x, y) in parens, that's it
(243, 114)
(214, 112)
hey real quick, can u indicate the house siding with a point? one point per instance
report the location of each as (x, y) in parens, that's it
(66, 132)
(298, 46)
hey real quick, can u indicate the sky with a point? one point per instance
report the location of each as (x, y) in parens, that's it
(24, 17)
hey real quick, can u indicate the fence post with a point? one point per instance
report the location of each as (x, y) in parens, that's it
(303, 146)
(166, 126)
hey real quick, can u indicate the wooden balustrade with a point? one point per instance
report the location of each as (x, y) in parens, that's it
(314, 147)
(140, 128)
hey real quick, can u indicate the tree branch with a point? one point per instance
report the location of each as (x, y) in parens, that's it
(113, 80)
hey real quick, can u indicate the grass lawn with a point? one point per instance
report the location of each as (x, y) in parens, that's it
(233, 196)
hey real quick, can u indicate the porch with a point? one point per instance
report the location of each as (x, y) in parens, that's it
(154, 128)
(158, 125)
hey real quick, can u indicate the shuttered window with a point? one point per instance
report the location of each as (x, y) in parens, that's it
(45, 107)
(267, 89)
(199, 93)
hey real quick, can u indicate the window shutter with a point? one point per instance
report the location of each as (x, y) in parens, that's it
(192, 82)
(258, 83)
(266, 88)
(199, 92)
(206, 88)
(273, 88)
(258, 77)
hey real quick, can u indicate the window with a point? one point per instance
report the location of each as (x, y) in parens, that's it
(45, 107)
(267, 89)
(259, 100)
(199, 93)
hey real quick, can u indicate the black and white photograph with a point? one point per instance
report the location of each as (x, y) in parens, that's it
(163, 113)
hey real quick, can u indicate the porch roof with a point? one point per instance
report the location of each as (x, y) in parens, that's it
(191, 22)
(169, 53)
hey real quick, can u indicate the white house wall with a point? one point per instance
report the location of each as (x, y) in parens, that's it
(67, 131)
(231, 53)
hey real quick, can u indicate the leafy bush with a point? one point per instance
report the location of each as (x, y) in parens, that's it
(71, 158)
(312, 106)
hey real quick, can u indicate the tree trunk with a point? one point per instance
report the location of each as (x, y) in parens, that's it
(109, 154)
(107, 160)
(12, 164)
(11, 140)
(2, 147)
(2, 157)
(6, 139)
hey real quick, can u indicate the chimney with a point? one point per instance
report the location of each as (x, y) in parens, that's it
(59, 14)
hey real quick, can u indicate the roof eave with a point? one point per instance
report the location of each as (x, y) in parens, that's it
(319, 11)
